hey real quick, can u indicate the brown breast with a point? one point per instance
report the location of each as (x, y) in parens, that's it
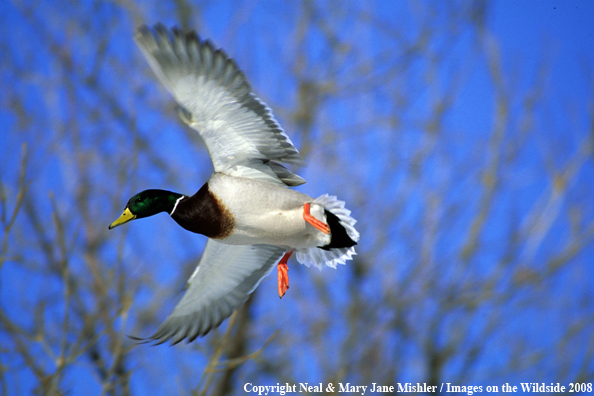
(203, 213)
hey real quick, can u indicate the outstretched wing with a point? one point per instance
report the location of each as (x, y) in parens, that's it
(222, 282)
(242, 136)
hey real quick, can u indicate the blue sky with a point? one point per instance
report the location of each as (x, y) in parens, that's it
(95, 120)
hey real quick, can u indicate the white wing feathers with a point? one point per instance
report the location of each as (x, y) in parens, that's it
(222, 282)
(216, 99)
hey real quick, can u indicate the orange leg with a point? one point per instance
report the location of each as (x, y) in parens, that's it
(283, 274)
(320, 225)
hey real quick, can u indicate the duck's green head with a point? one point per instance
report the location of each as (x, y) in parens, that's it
(147, 203)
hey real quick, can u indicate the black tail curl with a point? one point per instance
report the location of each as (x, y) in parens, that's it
(340, 238)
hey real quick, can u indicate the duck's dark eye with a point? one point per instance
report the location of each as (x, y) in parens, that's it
(138, 200)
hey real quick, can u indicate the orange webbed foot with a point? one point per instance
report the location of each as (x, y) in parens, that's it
(320, 225)
(283, 274)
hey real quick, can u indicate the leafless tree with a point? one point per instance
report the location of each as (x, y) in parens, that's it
(474, 232)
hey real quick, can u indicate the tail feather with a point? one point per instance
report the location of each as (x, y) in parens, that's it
(344, 236)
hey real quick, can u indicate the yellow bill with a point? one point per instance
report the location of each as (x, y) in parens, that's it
(123, 219)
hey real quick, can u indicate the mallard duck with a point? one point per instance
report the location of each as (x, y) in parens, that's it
(253, 221)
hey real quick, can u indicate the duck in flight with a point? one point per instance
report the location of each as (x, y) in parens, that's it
(252, 219)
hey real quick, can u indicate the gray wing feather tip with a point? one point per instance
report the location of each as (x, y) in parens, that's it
(188, 328)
